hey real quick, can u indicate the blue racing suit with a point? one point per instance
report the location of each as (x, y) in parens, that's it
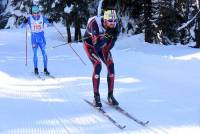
(36, 24)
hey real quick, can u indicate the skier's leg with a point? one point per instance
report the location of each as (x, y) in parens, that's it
(43, 50)
(45, 58)
(110, 76)
(106, 57)
(35, 58)
(111, 71)
(111, 81)
(90, 51)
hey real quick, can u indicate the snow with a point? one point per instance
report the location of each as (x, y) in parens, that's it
(188, 22)
(36, 2)
(99, 7)
(68, 9)
(153, 82)
(11, 22)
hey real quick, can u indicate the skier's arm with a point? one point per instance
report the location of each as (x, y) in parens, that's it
(98, 40)
(45, 20)
(25, 21)
(94, 32)
(102, 41)
(49, 22)
(111, 35)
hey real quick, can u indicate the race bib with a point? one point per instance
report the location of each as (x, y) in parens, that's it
(37, 25)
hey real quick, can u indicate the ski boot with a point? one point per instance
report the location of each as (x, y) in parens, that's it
(112, 100)
(97, 101)
(36, 71)
(46, 72)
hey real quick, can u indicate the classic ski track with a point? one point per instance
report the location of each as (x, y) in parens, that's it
(59, 114)
(61, 95)
(136, 120)
(147, 127)
(58, 117)
(30, 127)
(107, 115)
(65, 95)
(27, 127)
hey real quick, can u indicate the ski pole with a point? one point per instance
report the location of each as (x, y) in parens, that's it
(81, 40)
(69, 45)
(26, 46)
(58, 31)
(71, 42)
(77, 54)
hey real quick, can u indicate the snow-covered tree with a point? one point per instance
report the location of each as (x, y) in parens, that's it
(18, 10)
(3, 13)
(159, 20)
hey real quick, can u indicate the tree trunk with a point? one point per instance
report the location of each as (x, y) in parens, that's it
(77, 36)
(69, 39)
(148, 24)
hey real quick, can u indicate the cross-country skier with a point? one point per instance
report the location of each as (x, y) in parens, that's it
(101, 34)
(36, 23)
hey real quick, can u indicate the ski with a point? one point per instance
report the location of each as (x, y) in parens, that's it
(49, 76)
(104, 113)
(39, 77)
(122, 111)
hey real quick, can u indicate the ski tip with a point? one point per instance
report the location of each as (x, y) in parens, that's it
(122, 127)
(85, 100)
(145, 123)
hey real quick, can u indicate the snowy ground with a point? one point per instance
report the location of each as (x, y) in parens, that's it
(156, 83)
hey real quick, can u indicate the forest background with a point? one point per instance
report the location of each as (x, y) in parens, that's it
(162, 21)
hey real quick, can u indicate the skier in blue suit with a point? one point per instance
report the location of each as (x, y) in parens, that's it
(36, 23)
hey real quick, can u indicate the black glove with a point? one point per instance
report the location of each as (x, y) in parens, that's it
(100, 44)
(50, 20)
(25, 20)
(112, 32)
(109, 33)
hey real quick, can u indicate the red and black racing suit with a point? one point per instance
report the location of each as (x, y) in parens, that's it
(100, 51)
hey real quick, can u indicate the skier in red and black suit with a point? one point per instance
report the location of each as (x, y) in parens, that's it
(100, 36)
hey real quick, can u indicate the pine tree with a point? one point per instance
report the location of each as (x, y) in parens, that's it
(80, 15)
(166, 23)
(158, 19)
(68, 20)
(53, 9)
(4, 15)
(21, 9)
(148, 22)
(24, 6)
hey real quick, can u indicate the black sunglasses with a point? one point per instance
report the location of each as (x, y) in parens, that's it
(112, 20)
